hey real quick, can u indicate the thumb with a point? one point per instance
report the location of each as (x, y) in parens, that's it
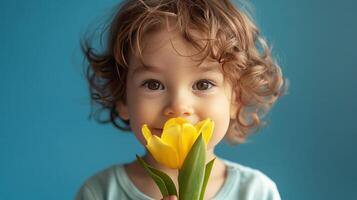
(172, 197)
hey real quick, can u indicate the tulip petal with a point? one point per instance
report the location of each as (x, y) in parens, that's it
(171, 135)
(162, 152)
(188, 137)
(176, 140)
(146, 132)
(206, 127)
(175, 121)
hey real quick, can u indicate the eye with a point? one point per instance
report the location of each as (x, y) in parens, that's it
(204, 84)
(152, 84)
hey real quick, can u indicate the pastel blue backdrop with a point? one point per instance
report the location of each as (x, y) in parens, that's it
(48, 147)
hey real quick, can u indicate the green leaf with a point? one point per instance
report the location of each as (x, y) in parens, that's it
(171, 188)
(191, 174)
(207, 174)
(162, 180)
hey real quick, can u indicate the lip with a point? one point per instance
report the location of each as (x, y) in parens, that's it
(157, 130)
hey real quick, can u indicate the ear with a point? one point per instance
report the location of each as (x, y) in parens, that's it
(122, 110)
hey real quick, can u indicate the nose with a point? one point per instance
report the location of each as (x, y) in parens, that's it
(179, 105)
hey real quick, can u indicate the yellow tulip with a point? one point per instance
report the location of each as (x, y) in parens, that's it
(176, 140)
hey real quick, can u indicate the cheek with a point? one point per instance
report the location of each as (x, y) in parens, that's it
(218, 110)
(221, 127)
(142, 112)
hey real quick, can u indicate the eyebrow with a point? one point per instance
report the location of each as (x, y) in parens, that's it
(144, 68)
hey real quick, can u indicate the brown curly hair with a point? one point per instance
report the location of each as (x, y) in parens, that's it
(231, 38)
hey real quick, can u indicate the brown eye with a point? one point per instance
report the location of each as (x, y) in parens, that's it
(204, 85)
(152, 84)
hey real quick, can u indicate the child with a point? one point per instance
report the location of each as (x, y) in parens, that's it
(195, 59)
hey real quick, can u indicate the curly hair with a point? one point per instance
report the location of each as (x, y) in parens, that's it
(232, 39)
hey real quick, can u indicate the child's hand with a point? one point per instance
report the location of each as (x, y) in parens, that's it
(172, 197)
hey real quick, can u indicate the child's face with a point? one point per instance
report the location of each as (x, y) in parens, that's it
(175, 87)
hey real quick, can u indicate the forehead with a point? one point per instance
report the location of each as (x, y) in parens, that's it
(205, 67)
(168, 47)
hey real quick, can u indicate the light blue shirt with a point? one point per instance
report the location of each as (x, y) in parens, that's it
(242, 183)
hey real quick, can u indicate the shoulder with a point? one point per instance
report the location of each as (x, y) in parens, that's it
(104, 182)
(248, 174)
(251, 182)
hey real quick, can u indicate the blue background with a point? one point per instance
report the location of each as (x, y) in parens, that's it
(48, 147)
